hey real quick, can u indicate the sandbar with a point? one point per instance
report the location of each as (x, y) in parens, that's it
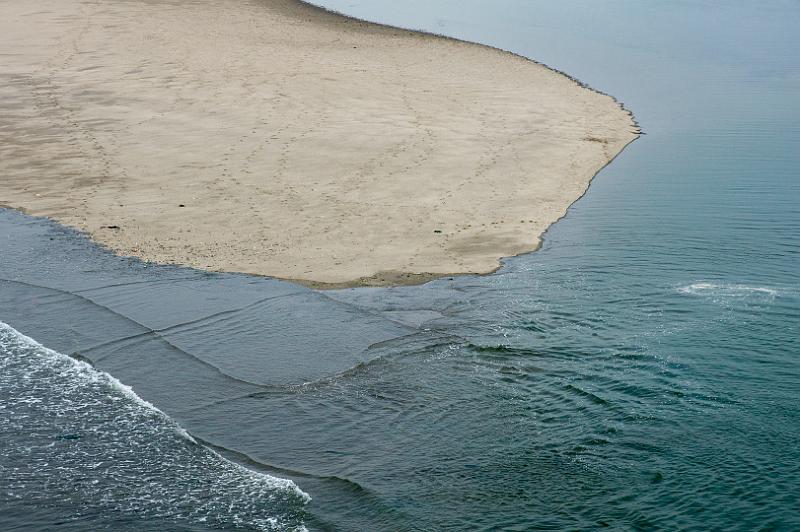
(274, 138)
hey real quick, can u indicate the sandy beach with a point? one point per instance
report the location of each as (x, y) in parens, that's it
(273, 138)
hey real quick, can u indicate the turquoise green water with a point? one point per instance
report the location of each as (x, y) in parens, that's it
(640, 371)
(643, 369)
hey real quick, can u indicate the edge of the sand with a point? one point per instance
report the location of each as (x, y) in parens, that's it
(305, 4)
(396, 278)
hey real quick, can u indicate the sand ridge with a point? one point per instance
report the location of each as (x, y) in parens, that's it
(274, 138)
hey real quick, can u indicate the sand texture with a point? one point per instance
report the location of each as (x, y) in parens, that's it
(273, 138)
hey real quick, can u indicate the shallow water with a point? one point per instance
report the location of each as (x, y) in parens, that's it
(640, 371)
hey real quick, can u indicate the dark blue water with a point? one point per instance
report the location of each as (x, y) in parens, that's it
(640, 371)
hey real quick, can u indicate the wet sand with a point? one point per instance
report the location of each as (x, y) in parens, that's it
(273, 138)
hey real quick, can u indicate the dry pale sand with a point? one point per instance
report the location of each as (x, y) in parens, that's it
(269, 137)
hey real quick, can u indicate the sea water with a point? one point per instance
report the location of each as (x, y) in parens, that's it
(640, 371)
(79, 443)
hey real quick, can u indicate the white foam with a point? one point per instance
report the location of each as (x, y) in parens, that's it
(701, 288)
(10, 337)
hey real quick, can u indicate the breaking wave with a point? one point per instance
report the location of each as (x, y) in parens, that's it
(79, 441)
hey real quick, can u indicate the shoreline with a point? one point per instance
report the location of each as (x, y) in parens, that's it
(377, 238)
(391, 279)
(395, 278)
(310, 5)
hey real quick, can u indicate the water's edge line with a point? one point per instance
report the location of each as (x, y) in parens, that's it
(308, 4)
(425, 277)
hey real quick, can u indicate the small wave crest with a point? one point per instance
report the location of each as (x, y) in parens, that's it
(726, 289)
(77, 434)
